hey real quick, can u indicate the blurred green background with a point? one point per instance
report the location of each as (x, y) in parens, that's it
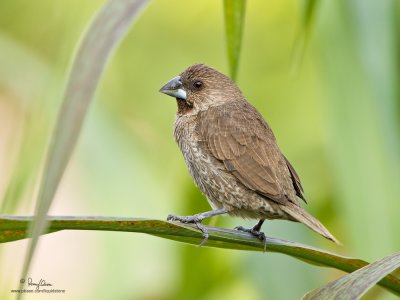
(335, 113)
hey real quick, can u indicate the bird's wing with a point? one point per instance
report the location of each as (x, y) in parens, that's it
(296, 181)
(236, 134)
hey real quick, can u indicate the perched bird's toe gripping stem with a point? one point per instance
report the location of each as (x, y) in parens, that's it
(258, 234)
(255, 231)
(197, 219)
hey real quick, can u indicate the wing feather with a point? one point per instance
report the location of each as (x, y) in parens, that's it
(238, 136)
(296, 181)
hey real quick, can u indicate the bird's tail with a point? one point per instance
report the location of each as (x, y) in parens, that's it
(300, 215)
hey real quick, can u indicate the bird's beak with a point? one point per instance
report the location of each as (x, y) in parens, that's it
(174, 88)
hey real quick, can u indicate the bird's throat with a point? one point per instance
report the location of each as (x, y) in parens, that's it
(183, 106)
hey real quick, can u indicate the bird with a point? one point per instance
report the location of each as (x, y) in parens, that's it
(232, 154)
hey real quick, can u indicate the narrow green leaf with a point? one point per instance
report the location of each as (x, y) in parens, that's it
(356, 284)
(103, 34)
(309, 12)
(15, 228)
(234, 11)
(308, 18)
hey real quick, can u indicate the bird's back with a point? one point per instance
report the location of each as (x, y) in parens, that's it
(237, 135)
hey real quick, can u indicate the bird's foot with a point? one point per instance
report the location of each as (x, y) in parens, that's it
(196, 219)
(185, 219)
(253, 231)
(258, 234)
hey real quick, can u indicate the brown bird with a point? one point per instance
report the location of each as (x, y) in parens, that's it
(232, 154)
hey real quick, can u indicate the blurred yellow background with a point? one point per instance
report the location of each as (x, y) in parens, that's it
(335, 114)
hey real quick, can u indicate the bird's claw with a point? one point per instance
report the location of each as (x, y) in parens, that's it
(192, 219)
(204, 230)
(258, 234)
(241, 228)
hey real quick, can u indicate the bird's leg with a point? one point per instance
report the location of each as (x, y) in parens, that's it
(197, 219)
(255, 230)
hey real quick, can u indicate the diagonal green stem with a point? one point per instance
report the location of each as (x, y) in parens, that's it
(15, 228)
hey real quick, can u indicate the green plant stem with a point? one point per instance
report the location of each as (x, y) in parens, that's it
(15, 228)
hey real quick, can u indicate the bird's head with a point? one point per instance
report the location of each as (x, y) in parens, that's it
(200, 87)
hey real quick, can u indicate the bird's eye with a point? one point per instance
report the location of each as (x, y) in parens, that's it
(198, 84)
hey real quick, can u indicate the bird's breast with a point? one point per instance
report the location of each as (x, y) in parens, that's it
(208, 173)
